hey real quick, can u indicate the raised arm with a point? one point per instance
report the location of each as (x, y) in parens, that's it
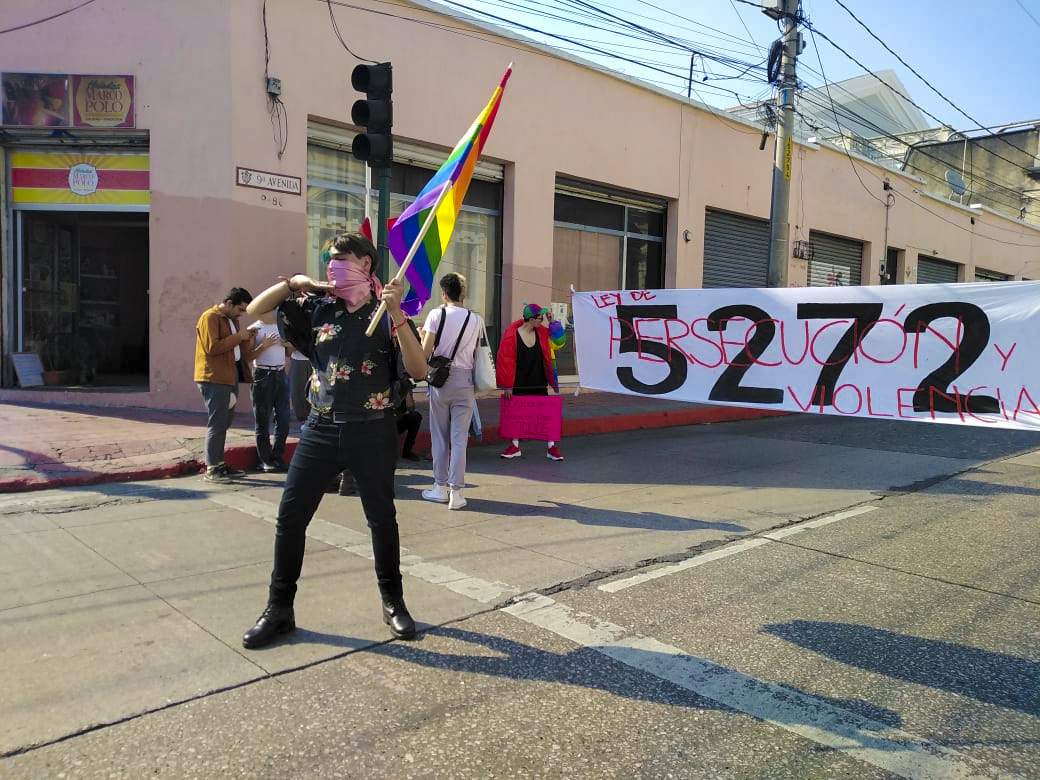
(284, 288)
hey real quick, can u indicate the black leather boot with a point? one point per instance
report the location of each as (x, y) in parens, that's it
(275, 620)
(395, 615)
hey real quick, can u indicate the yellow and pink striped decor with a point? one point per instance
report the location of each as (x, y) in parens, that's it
(80, 178)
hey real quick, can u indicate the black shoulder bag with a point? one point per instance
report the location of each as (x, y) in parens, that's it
(440, 365)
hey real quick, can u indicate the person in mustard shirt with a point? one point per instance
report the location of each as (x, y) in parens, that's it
(223, 351)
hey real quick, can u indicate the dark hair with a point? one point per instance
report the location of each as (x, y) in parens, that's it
(454, 286)
(358, 245)
(238, 296)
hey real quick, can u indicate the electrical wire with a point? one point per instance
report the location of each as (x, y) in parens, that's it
(923, 80)
(275, 107)
(1023, 7)
(335, 29)
(920, 108)
(46, 18)
(922, 150)
(849, 156)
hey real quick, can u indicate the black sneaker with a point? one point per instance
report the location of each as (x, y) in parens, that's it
(233, 473)
(268, 467)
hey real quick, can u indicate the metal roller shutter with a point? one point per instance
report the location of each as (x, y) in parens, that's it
(736, 250)
(982, 275)
(931, 270)
(836, 261)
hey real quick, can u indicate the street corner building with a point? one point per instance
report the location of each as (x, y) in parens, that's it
(155, 155)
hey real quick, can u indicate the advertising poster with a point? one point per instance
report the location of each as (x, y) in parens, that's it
(35, 100)
(103, 101)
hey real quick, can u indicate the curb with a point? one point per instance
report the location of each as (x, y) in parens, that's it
(244, 456)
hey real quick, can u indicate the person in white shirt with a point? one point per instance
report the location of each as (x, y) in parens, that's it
(451, 405)
(270, 394)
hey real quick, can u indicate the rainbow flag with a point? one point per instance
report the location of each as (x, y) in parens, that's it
(456, 173)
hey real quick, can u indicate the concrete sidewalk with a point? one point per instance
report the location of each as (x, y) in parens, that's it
(48, 446)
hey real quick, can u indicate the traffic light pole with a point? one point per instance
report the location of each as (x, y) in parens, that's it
(384, 215)
(782, 159)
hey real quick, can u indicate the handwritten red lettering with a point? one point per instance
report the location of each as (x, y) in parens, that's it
(1020, 407)
(638, 325)
(859, 399)
(1007, 357)
(870, 406)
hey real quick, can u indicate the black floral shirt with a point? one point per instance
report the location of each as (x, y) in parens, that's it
(353, 373)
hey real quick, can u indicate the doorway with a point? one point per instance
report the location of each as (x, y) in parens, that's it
(83, 306)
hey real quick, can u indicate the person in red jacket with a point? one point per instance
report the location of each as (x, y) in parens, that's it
(525, 365)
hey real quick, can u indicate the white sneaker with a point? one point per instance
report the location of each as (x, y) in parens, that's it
(456, 501)
(438, 493)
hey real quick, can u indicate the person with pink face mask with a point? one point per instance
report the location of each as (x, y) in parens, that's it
(352, 423)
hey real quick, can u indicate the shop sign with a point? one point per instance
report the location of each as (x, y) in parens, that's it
(63, 100)
(80, 178)
(103, 101)
(83, 179)
(262, 180)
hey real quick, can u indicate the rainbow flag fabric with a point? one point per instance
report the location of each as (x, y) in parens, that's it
(456, 174)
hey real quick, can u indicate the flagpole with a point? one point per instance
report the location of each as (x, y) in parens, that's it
(378, 316)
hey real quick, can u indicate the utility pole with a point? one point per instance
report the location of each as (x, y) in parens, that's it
(782, 158)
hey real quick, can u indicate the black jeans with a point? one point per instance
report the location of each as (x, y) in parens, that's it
(299, 386)
(270, 393)
(408, 424)
(369, 450)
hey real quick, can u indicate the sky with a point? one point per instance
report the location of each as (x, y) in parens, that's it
(977, 55)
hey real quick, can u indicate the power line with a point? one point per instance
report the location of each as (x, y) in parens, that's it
(900, 94)
(851, 161)
(919, 76)
(47, 18)
(1023, 7)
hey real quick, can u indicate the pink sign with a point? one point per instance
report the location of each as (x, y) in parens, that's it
(531, 417)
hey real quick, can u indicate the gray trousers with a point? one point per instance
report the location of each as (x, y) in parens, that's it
(451, 409)
(220, 414)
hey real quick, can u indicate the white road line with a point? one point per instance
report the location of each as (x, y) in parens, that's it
(818, 522)
(689, 563)
(360, 544)
(870, 741)
(730, 549)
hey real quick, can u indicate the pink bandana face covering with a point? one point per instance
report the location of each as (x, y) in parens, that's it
(350, 282)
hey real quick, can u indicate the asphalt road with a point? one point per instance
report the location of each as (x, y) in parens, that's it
(792, 597)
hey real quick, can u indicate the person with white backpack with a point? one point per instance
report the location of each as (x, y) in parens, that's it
(451, 332)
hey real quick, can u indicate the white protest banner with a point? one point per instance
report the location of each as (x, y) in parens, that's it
(948, 353)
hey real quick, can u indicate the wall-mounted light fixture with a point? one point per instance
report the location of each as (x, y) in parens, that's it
(687, 236)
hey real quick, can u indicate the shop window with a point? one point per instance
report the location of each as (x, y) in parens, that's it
(336, 202)
(601, 243)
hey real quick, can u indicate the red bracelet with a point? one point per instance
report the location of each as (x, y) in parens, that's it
(395, 325)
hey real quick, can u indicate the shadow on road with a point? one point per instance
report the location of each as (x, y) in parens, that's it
(588, 668)
(994, 678)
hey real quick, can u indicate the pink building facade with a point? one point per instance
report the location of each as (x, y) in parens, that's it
(117, 232)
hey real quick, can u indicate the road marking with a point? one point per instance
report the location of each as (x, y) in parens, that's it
(864, 739)
(730, 549)
(360, 544)
(689, 563)
(818, 522)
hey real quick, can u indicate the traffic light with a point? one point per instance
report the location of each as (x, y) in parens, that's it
(375, 113)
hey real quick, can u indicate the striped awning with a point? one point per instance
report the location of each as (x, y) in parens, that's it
(80, 178)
